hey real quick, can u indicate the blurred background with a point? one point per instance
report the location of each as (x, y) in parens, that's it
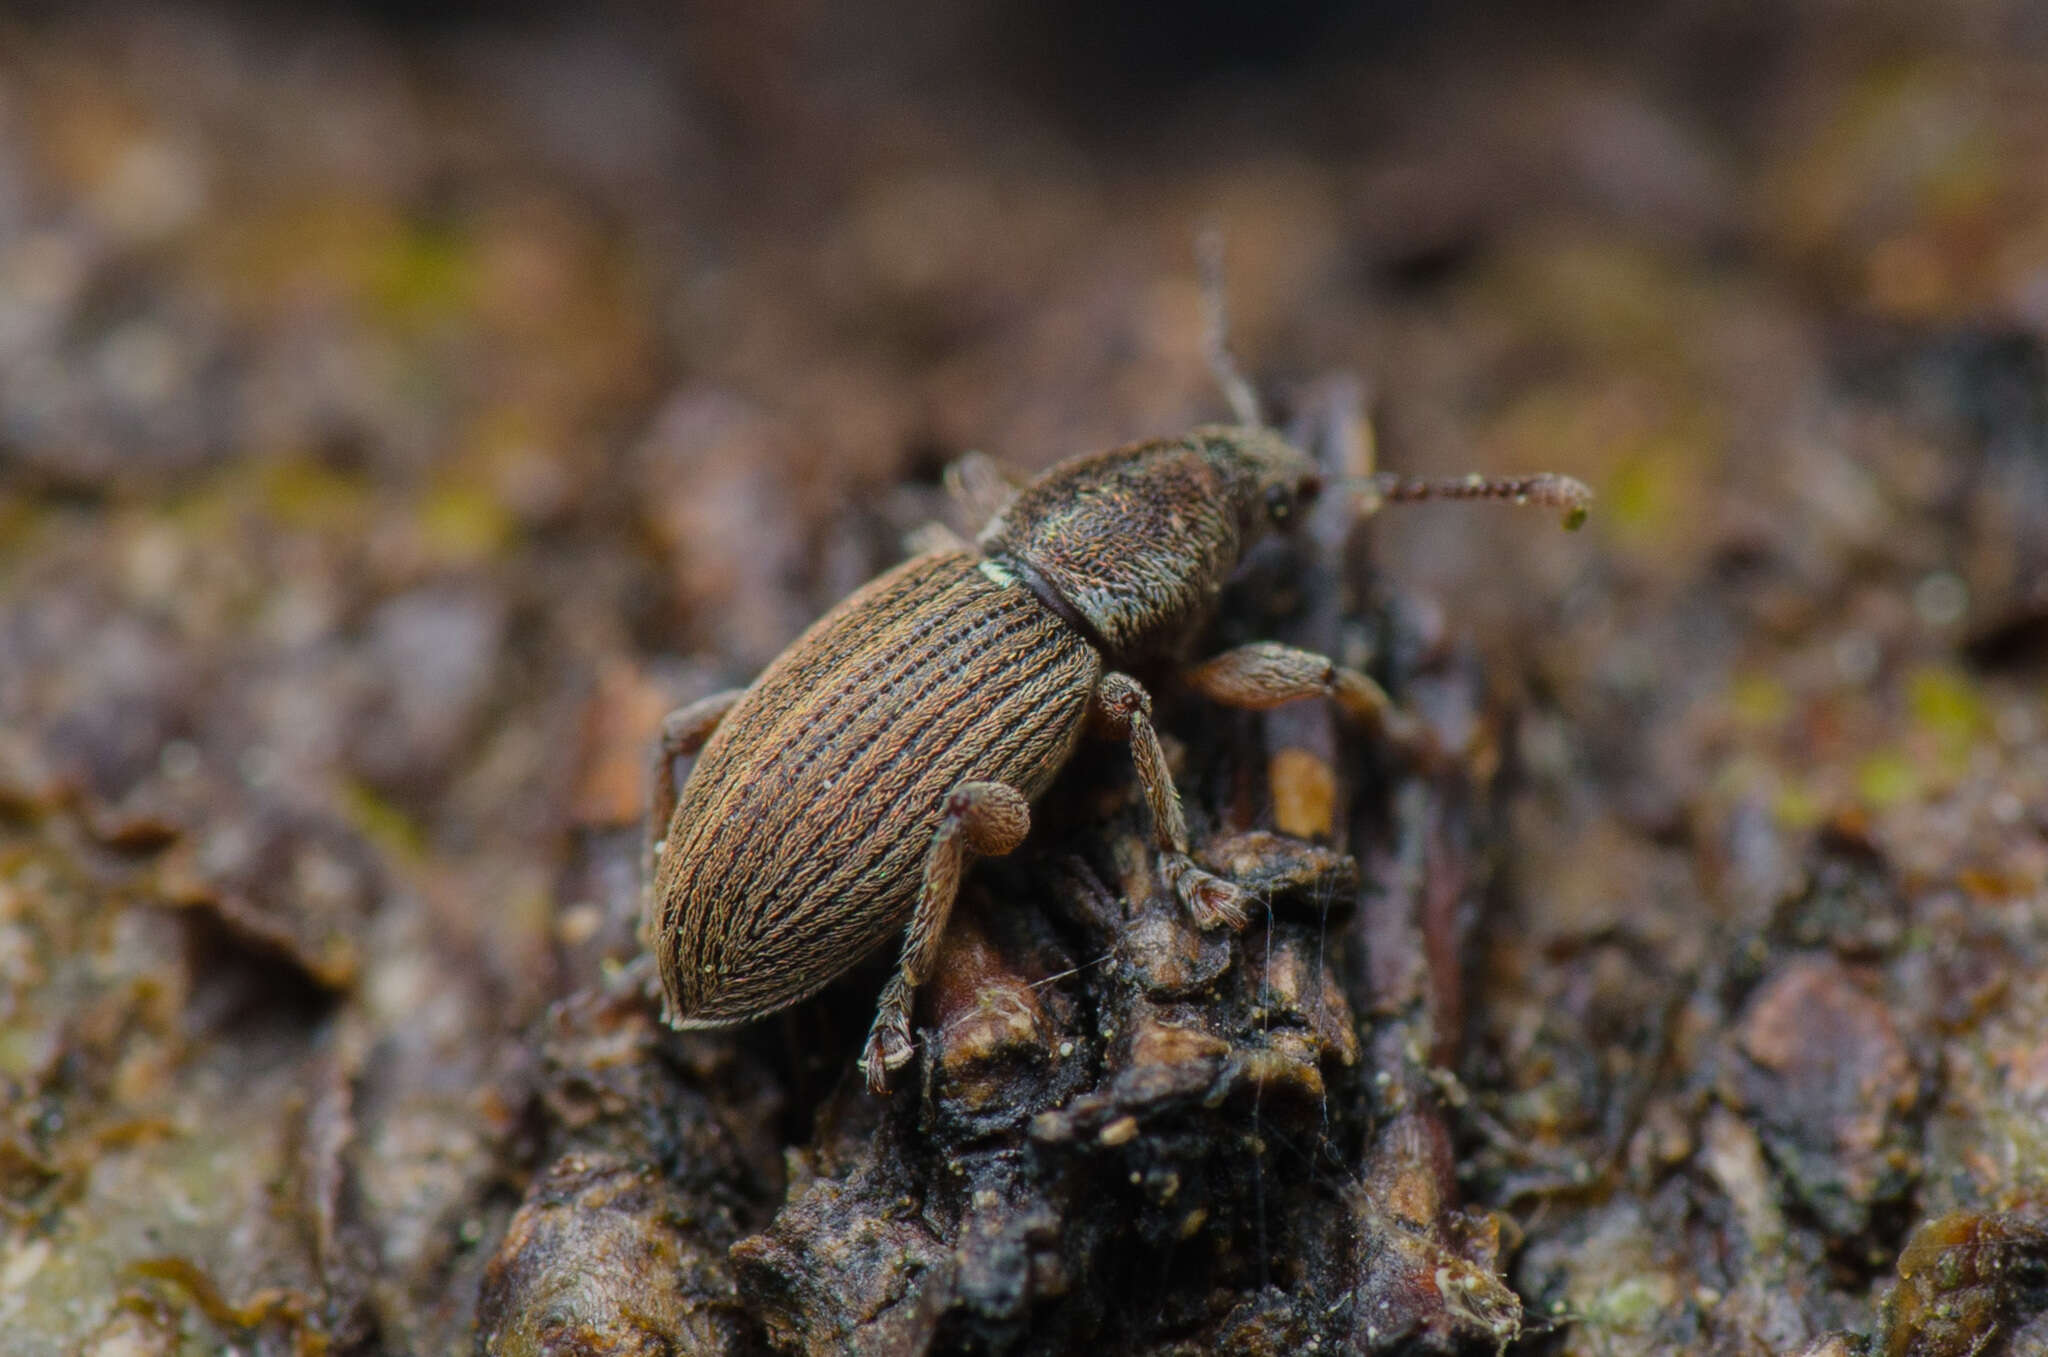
(401, 406)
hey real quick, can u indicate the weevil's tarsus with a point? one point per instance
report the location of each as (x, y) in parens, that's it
(1547, 490)
(989, 818)
(1211, 901)
(1243, 400)
(638, 975)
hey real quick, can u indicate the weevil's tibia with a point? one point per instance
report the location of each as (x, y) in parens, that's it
(1124, 708)
(1548, 490)
(989, 818)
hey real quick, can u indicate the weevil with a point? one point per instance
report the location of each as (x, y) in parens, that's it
(836, 802)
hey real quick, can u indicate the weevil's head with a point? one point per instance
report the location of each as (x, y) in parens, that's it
(1139, 540)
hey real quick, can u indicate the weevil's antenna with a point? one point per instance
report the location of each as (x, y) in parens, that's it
(1548, 491)
(1244, 401)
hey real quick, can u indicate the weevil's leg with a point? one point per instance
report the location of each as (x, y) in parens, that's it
(989, 818)
(683, 733)
(933, 537)
(980, 486)
(1125, 708)
(1265, 674)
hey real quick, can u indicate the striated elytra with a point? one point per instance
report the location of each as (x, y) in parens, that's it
(836, 802)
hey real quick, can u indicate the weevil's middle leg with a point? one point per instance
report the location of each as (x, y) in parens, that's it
(1264, 674)
(989, 818)
(1125, 708)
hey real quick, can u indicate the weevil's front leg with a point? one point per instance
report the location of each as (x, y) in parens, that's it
(1125, 708)
(683, 733)
(989, 818)
(1265, 674)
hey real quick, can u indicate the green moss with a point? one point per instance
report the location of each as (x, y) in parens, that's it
(462, 523)
(394, 832)
(422, 275)
(301, 493)
(1633, 1304)
(1798, 807)
(1758, 699)
(1886, 779)
(1946, 704)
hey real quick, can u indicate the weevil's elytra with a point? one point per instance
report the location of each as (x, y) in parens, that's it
(837, 801)
(801, 836)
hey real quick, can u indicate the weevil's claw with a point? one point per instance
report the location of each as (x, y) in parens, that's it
(888, 1049)
(1211, 901)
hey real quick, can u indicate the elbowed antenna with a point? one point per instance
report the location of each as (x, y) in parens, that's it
(1547, 490)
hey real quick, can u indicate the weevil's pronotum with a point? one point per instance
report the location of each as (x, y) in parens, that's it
(836, 802)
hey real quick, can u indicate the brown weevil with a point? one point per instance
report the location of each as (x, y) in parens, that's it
(840, 798)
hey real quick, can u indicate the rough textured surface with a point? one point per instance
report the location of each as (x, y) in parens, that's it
(398, 414)
(620, 1244)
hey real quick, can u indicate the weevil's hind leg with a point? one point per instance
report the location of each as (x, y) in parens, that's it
(1124, 708)
(989, 818)
(1265, 674)
(683, 733)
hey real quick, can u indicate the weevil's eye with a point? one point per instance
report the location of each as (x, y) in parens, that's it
(1279, 504)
